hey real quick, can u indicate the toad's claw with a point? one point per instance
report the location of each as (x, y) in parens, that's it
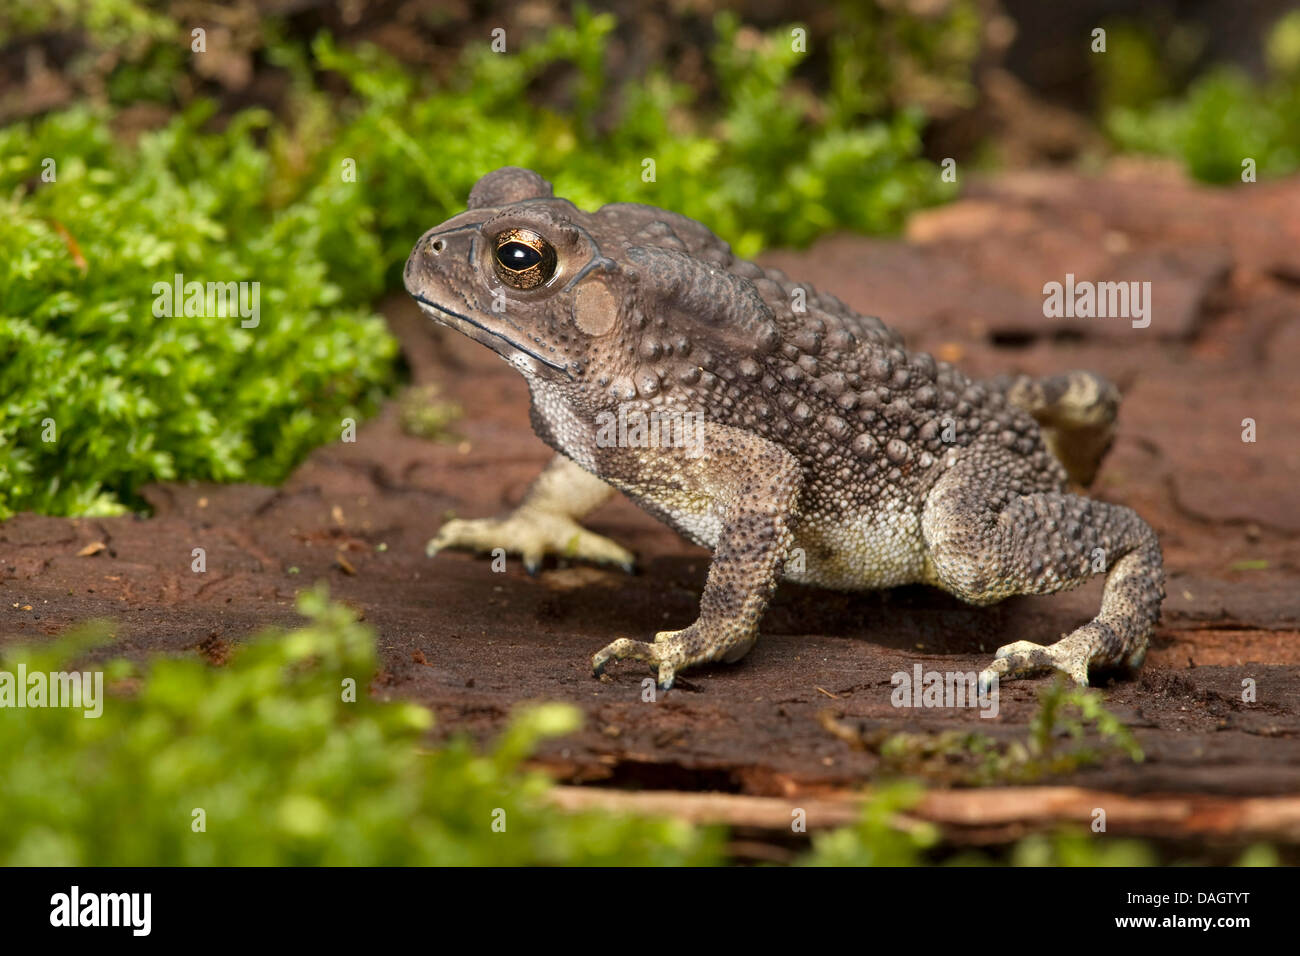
(667, 653)
(1071, 655)
(533, 535)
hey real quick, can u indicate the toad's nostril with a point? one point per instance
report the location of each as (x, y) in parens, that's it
(437, 245)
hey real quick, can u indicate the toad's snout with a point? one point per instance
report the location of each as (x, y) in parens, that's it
(424, 260)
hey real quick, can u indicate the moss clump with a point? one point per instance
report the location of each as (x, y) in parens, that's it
(103, 385)
(280, 757)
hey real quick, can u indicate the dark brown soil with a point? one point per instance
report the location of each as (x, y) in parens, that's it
(1224, 346)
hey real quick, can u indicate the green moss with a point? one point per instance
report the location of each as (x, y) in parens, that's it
(287, 766)
(98, 394)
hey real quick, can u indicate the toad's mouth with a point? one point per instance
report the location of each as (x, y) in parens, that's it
(484, 336)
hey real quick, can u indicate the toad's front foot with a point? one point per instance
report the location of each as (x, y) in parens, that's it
(673, 651)
(663, 656)
(667, 654)
(533, 534)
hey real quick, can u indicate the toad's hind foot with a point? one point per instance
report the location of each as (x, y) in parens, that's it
(985, 548)
(1095, 644)
(532, 534)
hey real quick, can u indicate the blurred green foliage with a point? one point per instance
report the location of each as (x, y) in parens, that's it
(878, 838)
(1141, 67)
(1224, 117)
(765, 164)
(112, 22)
(1080, 848)
(1070, 730)
(252, 197)
(885, 836)
(885, 55)
(424, 413)
(287, 771)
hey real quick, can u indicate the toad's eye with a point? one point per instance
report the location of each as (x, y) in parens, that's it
(517, 257)
(524, 260)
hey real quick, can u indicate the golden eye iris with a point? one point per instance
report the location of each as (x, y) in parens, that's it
(524, 260)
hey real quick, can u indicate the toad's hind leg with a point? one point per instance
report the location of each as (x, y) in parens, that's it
(989, 539)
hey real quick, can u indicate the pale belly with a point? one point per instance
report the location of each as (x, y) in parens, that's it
(863, 552)
(853, 553)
